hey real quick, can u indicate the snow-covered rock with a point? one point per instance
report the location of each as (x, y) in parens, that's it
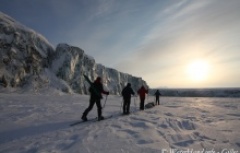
(30, 63)
(70, 63)
(24, 53)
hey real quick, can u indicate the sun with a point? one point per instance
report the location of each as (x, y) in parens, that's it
(198, 70)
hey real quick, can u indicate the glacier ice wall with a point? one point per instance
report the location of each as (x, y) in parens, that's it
(29, 62)
(23, 52)
(70, 63)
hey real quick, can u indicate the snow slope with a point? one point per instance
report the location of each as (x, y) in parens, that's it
(40, 124)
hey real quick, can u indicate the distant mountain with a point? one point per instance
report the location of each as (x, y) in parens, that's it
(29, 63)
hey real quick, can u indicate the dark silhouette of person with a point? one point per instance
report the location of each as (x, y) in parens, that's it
(96, 90)
(157, 95)
(126, 93)
(142, 92)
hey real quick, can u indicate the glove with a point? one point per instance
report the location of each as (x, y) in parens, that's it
(107, 93)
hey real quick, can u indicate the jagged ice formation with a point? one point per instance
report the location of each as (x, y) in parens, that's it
(28, 62)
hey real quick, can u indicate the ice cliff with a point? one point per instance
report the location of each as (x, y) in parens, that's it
(70, 63)
(28, 62)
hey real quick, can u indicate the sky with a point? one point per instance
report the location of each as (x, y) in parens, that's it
(168, 43)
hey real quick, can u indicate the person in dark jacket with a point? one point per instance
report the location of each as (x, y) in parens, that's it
(96, 91)
(157, 95)
(142, 93)
(126, 93)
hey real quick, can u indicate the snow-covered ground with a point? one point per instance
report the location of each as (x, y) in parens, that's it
(40, 124)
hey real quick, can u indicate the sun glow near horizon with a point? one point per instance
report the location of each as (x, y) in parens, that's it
(198, 70)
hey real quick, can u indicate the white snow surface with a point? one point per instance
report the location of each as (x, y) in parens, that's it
(34, 123)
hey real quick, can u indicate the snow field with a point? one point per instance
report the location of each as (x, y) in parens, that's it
(40, 123)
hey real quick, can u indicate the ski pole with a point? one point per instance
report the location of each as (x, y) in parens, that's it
(121, 106)
(135, 104)
(105, 102)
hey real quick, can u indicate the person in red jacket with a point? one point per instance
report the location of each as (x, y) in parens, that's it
(142, 92)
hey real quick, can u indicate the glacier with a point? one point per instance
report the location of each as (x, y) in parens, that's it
(29, 63)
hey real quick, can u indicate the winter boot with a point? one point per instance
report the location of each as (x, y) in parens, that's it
(84, 118)
(100, 118)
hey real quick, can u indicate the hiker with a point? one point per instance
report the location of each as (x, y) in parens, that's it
(157, 95)
(142, 92)
(95, 97)
(126, 93)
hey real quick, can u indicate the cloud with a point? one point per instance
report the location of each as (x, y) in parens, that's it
(150, 39)
(114, 29)
(189, 30)
(153, 40)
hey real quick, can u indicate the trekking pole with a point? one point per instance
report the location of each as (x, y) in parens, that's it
(135, 103)
(121, 106)
(105, 102)
(146, 98)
